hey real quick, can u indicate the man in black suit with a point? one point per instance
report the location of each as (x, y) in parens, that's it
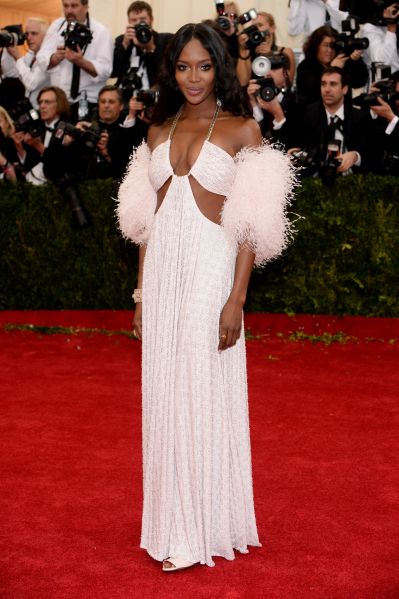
(333, 131)
(133, 56)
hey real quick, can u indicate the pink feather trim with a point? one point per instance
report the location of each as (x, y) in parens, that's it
(254, 212)
(137, 198)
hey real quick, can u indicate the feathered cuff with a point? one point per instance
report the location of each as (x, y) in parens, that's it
(137, 198)
(254, 212)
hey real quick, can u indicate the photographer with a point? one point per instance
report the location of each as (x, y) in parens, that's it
(273, 105)
(117, 137)
(386, 122)
(139, 51)
(11, 88)
(333, 135)
(260, 40)
(46, 151)
(77, 52)
(304, 16)
(320, 52)
(33, 78)
(383, 37)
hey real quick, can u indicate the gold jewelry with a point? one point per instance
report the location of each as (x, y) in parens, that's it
(137, 296)
(223, 336)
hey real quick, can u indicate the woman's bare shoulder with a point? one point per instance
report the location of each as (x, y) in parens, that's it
(244, 131)
(158, 134)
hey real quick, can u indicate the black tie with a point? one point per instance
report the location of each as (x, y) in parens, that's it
(336, 124)
(75, 82)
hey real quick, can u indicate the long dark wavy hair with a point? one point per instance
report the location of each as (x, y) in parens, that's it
(314, 40)
(227, 87)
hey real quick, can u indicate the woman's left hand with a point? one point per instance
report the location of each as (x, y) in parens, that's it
(339, 61)
(230, 324)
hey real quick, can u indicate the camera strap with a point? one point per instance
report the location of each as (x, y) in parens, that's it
(75, 83)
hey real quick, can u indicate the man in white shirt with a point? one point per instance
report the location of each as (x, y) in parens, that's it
(383, 39)
(78, 71)
(33, 78)
(305, 16)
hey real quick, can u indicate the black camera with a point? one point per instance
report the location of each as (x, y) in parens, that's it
(347, 42)
(89, 137)
(77, 34)
(390, 164)
(149, 97)
(222, 20)
(143, 32)
(368, 11)
(268, 89)
(12, 35)
(386, 90)
(305, 161)
(130, 83)
(30, 122)
(255, 36)
(328, 167)
(68, 186)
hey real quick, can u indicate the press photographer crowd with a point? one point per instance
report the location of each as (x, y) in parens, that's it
(334, 107)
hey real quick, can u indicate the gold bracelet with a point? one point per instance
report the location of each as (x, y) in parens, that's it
(137, 296)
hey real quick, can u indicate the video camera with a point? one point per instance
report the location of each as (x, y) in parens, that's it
(77, 34)
(347, 42)
(368, 11)
(12, 35)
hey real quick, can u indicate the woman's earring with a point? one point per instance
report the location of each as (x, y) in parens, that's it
(218, 102)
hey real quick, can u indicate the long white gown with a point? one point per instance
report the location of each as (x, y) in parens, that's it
(198, 499)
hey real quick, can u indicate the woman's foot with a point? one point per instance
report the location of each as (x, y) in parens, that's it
(172, 564)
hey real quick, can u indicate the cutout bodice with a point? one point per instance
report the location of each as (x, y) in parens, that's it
(214, 168)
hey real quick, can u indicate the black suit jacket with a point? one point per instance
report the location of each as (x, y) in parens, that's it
(152, 61)
(312, 132)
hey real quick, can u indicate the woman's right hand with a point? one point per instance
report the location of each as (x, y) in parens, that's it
(137, 321)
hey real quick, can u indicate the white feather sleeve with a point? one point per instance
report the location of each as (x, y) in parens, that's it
(255, 211)
(137, 198)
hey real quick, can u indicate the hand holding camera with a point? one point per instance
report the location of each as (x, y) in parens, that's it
(347, 160)
(135, 107)
(383, 109)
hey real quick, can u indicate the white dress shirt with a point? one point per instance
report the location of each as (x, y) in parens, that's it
(8, 65)
(31, 75)
(382, 46)
(99, 52)
(36, 175)
(305, 16)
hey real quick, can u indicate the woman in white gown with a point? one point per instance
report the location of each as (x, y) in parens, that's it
(205, 199)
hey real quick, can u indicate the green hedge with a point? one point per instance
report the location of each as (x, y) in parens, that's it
(344, 259)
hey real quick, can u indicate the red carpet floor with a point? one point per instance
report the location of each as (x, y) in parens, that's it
(324, 425)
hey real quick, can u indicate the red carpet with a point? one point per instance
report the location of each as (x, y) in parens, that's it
(324, 421)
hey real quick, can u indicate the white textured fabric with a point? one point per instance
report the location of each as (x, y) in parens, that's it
(214, 168)
(198, 499)
(136, 198)
(254, 212)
